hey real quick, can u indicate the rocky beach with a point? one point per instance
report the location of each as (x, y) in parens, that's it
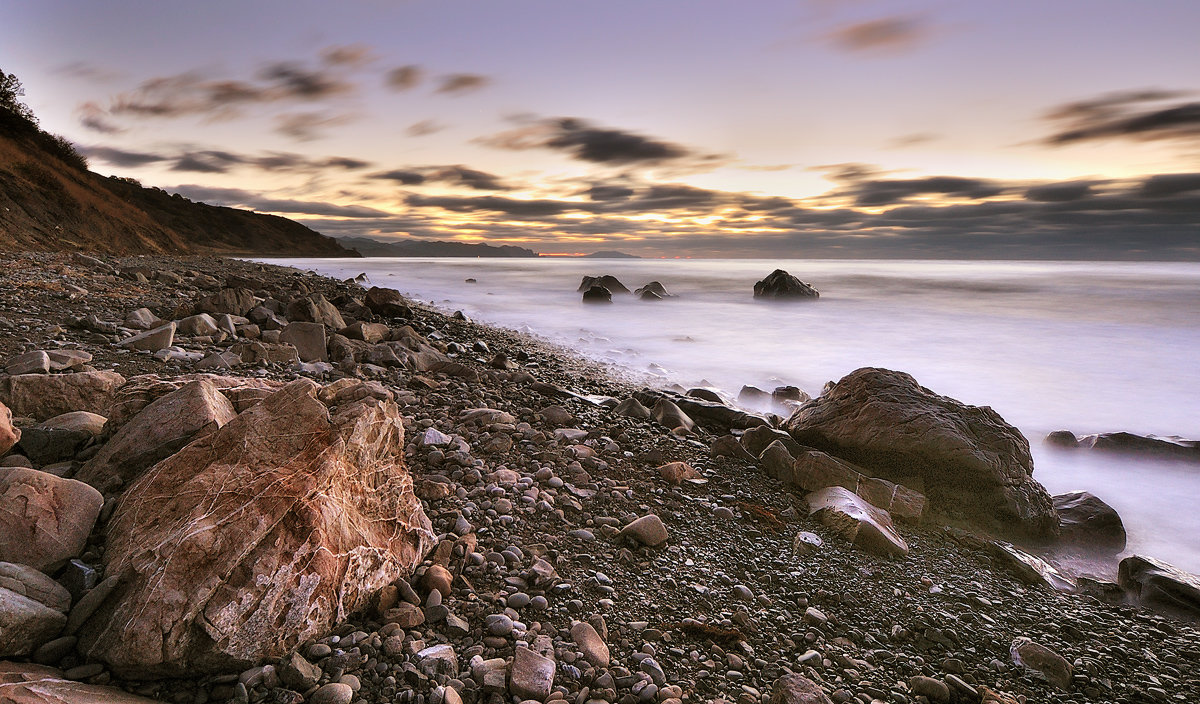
(232, 481)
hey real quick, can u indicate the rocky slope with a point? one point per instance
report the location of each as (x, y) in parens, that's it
(52, 203)
(292, 489)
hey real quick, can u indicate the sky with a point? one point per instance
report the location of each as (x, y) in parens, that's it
(690, 128)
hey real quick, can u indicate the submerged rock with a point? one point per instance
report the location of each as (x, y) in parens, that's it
(606, 281)
(258, 537)
(968, 460)
(1088, 522)
(780, 284)
(653, 291)
(1159, 586)
(597, 294)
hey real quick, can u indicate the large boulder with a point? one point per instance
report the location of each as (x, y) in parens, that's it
(258, 537)
(781, 285)
(1086, 521)
(971, 464)
(1159, 586)
(44, 519)
(24, 683)
(140, 391)
(158, 431)
(43, 396)
(597, 294)
(308, 339)
(9, 435)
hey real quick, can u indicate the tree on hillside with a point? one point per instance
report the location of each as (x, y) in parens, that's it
(11, 91)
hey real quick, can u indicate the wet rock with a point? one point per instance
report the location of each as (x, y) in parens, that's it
(158, 431)
(632, 408)
(387, 302)
(201, 324)
(1159, 586)
(26, 623)
(45, 518)
(589, 642)
(9, 435)
(867, 527)
(1029, 568)
(36, 362)
(677, 472)
(1087, 521)
(671, 416)
(970, 462)
(323, 516)
(728, 446)
(308, 338)
(781, 285)
(235, 301)
(597, 294)
(647, 530)
(1062, 438)
(76, 421)
(1042, 660)
(22, 683)
(152, 340)
(43, 396)
(797, 689)
(606, 281)
(1168, 448)
(531, 676)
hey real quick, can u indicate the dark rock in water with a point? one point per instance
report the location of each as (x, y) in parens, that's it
(1062, 438)
(752, 395)
(597, 294)
(716, 416)
(607, 281)
(1087, 521)
(969, 461)
(1170, 448)
(1159, 586)
(705, 394)
(789, 393)
(653, 291)
(780, 284)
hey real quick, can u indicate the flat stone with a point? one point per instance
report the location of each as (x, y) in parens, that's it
(35, 362)
(867, 527)
(593, 647)
(152, 340)
(531, 676)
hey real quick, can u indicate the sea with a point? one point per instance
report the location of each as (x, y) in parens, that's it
(1088, 347)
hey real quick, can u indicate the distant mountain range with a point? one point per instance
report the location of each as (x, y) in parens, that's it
(611, 254)
(420, 248)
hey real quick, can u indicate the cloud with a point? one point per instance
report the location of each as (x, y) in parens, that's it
(256, 201)
(1141, 115)
(1060, 192)
(190, 158)
(459, 83)
(598, 145)
(404, 77)
(874, 193)
(355, 55)
(456, 175)
(424, 127)
(307, 126)
(92, 117)
(121, 157)
(289, 79)
(887, 34)
(1163, 185)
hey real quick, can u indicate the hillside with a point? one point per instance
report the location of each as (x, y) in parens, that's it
(49, 201)
(414, 248)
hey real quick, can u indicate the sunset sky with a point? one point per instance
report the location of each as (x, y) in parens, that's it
(818, 128)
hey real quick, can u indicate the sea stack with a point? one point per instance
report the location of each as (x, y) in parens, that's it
(782, 285)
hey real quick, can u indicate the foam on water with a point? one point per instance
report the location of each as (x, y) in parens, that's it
(1089, 347)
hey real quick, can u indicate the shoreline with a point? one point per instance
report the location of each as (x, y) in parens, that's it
(729, 606)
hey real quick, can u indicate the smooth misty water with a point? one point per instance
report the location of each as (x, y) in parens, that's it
(1089, 347)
